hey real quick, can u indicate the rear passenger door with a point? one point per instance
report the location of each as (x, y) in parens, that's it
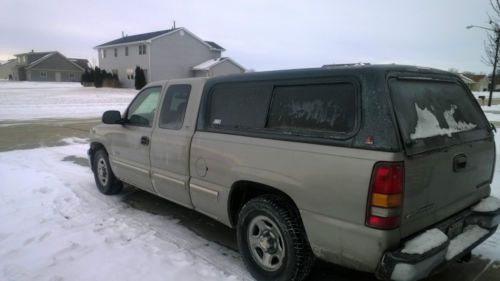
(170, 145)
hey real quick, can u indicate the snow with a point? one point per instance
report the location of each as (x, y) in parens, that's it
(207, 65)
(37, 100)
(489, 204)
(428, 124)
(425, 242)
(486, 95)
(470, 235)
(56, 226)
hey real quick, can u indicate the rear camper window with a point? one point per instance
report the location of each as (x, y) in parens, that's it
(434, 114)
(237, 107)
(318, 109)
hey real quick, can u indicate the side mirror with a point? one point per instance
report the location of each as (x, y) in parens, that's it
(112, 117)
(493, 127)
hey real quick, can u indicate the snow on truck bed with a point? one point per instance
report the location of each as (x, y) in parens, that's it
(37, 100)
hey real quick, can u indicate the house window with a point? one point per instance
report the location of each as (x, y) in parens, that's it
(130, 73)
(126, 51)
(71, 76)
(18, 59)
(142, 49)
(103, 53)
(24, 58)
(43, 75)
(116, 52)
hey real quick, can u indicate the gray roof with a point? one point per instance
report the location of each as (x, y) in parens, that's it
(137, 37)
(83, 63)
(215, 45)
(151, 35)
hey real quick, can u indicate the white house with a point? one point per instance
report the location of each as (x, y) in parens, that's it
(165, 54)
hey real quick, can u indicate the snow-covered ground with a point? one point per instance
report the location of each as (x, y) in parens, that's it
(36, 100)
(56, 226)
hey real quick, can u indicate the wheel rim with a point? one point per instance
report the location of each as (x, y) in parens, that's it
(266, 243)
(102, 171)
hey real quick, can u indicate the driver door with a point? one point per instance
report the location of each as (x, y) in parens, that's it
(131, 142)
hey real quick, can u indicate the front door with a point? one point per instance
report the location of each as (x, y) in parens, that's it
(58, 76)
(131, 144)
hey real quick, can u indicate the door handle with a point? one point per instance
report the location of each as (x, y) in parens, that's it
(459, 162)
(144, 140)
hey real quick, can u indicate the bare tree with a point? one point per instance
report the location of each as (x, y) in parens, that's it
(490, 45)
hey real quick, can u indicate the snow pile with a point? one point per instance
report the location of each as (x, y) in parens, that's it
(489, 204)
(428, 124)
(37, 100)
(425, 242)
(470, 235)
(56, 226)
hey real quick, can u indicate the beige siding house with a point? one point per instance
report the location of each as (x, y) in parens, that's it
(44, 66)
(166, 54)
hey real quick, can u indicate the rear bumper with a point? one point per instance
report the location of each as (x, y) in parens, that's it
(403, 266)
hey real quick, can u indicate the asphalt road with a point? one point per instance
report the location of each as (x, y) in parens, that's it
(31, 134)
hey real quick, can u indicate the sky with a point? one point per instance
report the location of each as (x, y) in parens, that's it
(263, 34)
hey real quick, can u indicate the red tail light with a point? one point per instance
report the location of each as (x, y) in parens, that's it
(386, 195)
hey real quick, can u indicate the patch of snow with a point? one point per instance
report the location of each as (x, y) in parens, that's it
(404, 271)
(486, 94)
(38, 100)
(428, 124)
(458, 244)
(489, 204)
(57, 226)
(425, 242)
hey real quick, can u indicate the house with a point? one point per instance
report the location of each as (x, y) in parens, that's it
(7, 70)
(165, 54)
(476, 82)
(45, 66)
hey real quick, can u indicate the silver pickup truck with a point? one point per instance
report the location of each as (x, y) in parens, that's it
(384, 169)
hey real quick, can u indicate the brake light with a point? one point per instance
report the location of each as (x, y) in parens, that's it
(386, 195)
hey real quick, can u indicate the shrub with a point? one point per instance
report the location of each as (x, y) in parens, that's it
(140, 78)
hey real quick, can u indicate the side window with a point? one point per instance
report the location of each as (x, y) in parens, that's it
(141, 111)
(242, 106)
(174, 106)
(319, 109)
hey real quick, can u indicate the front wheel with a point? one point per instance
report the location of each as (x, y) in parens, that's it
(272, 240)
(105, 180)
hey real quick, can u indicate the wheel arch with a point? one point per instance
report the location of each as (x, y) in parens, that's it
(243, 191)
(94, 147)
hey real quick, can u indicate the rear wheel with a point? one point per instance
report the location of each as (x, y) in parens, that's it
(272, 240)
(105, 180)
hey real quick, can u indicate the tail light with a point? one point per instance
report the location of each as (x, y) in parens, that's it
(386, 195)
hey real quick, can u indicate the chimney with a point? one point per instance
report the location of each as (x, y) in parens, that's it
(174, 25)
(123, 34)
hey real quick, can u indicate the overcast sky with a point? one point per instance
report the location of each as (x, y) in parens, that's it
(263, 34)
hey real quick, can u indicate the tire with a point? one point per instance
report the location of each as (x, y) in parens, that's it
(272, 240)
(104, 177)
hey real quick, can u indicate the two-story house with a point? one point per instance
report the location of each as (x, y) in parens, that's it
(44, 66)
(165, 54)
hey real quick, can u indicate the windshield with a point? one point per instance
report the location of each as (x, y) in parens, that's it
(434, 114)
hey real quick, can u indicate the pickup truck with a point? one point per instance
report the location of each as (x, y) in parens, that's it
(383, 168)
